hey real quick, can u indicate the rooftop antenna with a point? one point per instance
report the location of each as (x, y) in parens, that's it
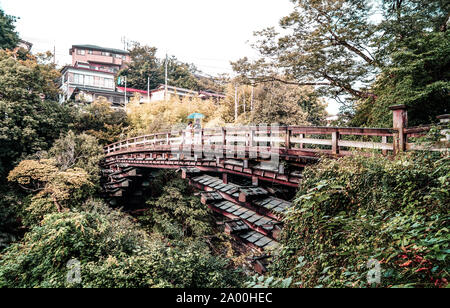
(125, 42)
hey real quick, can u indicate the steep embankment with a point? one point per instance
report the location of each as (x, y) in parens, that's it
(357, 209)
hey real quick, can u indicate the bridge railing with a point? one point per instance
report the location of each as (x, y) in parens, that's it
(331, 140)
(291, 140)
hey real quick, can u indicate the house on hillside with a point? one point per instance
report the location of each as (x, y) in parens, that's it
(144, 98)
(92, 75)
(86, 85)
(99, 58)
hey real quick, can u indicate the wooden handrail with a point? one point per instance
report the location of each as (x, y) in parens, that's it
(293, 137)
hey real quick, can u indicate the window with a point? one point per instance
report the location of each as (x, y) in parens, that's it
(109, 83)
(79, 79)
(124, 57)
(107, 54)
(89, 80)
(90, 52)
(81, 52)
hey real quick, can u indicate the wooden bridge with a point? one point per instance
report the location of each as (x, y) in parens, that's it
(248, 175)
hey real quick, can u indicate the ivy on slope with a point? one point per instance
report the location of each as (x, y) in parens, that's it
(356, 209)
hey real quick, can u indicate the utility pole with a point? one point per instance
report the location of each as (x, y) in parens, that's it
(148, 89)
(54, 55)
(251, 101)
(245, 103)
(125, 93)
(166, 77)
(235, 103)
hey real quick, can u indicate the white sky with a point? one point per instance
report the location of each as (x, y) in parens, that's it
(208, 33)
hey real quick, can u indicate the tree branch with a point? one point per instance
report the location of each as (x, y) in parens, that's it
(348, 88)
(294, 83)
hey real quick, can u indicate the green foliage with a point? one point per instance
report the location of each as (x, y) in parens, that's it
(78, 151)
(10, 210)
(175, 212)
(419, 77)
(40, 260)
(163, 267)
(50, 189)
(261, 282)
(8, 35)
(60, 180)
(365, 54)
(112, 251)
(146, 65)
(28, 123)
(356, 209)
(101, 121)
(283, 104)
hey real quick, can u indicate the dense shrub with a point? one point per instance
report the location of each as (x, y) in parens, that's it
(175, 211)
(113, 252)
(356, 209)
(40, 259)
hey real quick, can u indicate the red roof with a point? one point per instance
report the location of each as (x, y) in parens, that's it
(132, 90)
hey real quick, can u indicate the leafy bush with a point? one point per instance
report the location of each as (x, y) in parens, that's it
(113, 252)
(163, 267)
(98, 119)
(41, 259)
(175, 211)
(356, 209)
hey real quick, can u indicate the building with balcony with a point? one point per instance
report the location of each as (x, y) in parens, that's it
(99, 58)
(92, 75)
(86, 85)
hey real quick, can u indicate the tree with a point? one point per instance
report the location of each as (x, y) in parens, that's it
(273, 103)
(324, 44)
(418, 77)
(340, 46)
(146, 65)
(112, 252)
(29, 121)
(181, 74)
(167, 115)
(53, 189)
(8, 35)
(61, 179)
(176, 212)
(78, 151)
(338, 223)
(98, 119)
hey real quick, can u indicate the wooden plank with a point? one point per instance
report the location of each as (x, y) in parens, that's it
(311, 141)
(366, 145)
